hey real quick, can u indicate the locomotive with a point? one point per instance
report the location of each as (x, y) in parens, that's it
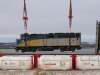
(49, 42)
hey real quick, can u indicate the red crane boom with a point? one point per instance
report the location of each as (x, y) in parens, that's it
(70, 15)
(25, 17)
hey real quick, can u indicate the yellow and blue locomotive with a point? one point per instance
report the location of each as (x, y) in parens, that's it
(49, 42)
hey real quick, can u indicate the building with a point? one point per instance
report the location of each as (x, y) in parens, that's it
(97, 36)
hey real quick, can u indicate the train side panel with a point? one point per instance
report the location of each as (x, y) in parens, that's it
(37, 42)
(75, 41)
(52, 42)
(58, 42)
(63, 41)
(66, 41)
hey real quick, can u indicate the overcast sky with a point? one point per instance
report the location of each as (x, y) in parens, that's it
(49, 16)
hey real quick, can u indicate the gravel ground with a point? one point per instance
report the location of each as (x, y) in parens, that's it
(82, 51)
(32, 72)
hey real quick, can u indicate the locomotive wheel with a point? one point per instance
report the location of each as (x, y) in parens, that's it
(22, 51)
(62, 49)
(17, 50)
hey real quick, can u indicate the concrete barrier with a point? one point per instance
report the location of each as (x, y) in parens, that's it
(90, 62)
